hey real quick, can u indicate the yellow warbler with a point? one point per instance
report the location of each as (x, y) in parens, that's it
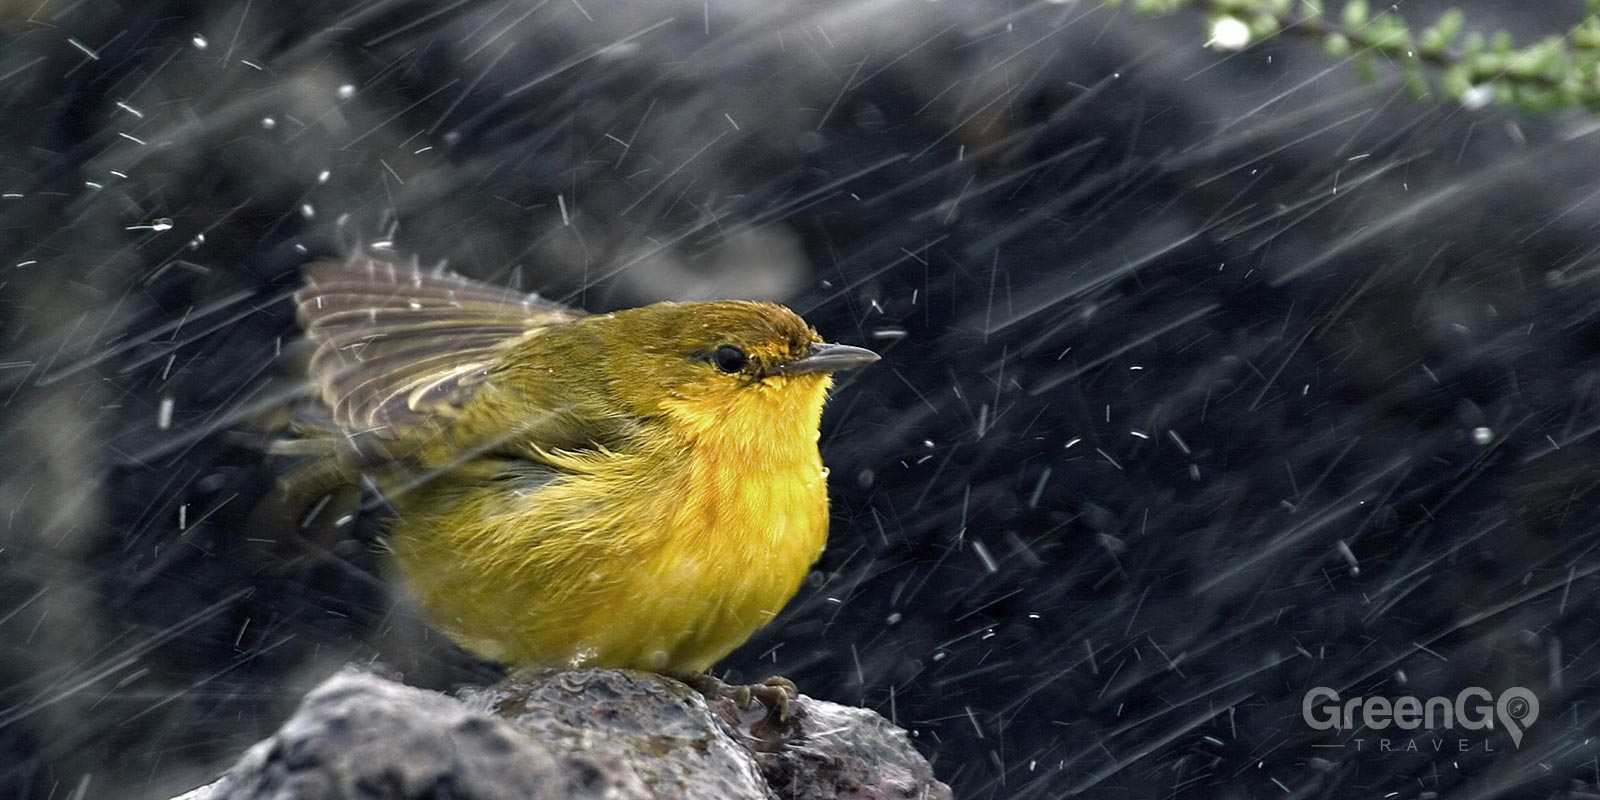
(638, 489)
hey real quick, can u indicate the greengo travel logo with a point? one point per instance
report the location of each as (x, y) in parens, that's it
(1391, 720)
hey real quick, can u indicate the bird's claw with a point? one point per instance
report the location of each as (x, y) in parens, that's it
(773, 693)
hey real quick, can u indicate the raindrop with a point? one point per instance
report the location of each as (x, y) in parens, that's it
(269, 123)
(1477, 97)
(162, 224)
(200, 42)
(1349, 557)
(347, 91)
(1482, 436)
(1228, 33)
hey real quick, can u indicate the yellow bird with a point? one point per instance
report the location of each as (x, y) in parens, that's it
(640, 489)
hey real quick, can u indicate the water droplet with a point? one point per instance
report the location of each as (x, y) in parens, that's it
(346, 92)
(1482, 436)
(1229, 33)
(269, 123)
(581, 658)
(162, 224)
(200, 42)
(1477, 97)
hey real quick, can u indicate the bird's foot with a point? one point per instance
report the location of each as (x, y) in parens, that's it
(773, 693)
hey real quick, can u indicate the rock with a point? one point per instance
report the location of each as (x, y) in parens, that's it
(840, 751)
(612, 734)
(661, 731)
(360, 736)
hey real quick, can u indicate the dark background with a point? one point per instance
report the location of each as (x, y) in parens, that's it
(1208, 379)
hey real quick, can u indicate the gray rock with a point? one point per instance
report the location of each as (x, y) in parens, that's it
(611, 734)
(659, 728)
(361, 736)
(834, 751)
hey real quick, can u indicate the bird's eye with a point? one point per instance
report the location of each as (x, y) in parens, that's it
(729, 358)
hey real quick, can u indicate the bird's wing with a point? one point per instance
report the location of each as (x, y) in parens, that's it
(398, 347)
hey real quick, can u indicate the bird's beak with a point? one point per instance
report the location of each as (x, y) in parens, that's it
(829, 358)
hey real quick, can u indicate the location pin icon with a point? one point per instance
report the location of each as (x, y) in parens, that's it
(1517, 708)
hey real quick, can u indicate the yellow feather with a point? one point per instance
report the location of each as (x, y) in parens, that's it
(598, 490)
(665, 559)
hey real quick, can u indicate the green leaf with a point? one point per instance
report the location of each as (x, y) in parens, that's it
(1438, 38)
(1355, 14)
(1365, 68)
(1416, 82)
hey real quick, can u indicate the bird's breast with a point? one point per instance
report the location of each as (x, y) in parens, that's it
(745, 527)
(755, 515)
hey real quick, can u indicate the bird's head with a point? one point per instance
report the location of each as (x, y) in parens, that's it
(730, 369)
